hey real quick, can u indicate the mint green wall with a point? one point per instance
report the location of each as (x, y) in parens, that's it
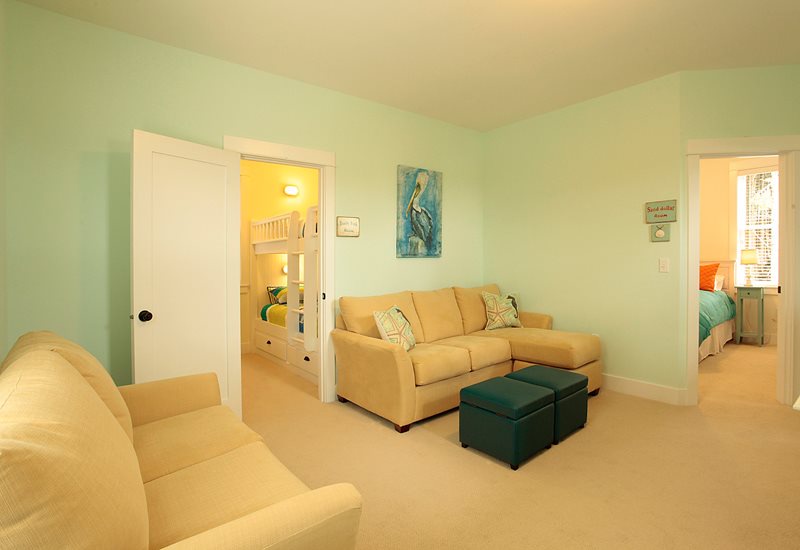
(550, 207)
(740, 102)
(3, 214)
(564, 222)
(564, 198)
(75, 93)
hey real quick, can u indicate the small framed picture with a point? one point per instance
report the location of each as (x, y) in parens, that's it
(347, 226)
(659, 233)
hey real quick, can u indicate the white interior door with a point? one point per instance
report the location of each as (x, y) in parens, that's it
(185, 262)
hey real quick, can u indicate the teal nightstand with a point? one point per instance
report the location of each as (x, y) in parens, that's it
(752, 293)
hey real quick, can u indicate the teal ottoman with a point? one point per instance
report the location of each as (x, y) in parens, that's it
(507, 419)
(570, 390)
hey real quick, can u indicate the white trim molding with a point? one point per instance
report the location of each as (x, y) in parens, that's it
(647, 390)
(786, 382)
(732, 147)
(278, 151)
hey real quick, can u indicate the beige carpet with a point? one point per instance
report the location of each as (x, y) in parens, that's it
(724, 474)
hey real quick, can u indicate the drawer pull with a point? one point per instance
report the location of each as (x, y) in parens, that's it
(306, 358)
(269, 342)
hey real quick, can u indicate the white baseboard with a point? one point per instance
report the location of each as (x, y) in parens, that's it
(647, 390)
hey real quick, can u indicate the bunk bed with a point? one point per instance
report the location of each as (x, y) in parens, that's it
(285, 327)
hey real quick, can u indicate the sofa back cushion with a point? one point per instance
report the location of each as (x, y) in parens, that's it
(357, 312)
(69, 476)
(472, 307)
(84, 362)
(438, 312)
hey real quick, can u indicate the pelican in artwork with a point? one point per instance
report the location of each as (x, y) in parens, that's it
(421, 221)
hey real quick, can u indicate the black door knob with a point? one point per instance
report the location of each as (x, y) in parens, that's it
(145, 316)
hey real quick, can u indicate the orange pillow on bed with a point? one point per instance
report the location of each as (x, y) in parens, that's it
(707, 275)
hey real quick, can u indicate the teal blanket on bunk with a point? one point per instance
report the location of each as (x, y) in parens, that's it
(715, 308)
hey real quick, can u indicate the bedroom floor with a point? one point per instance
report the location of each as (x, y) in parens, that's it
(741, 372)
(641, 474)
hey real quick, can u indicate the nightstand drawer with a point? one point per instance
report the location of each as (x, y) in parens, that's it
(749, 292)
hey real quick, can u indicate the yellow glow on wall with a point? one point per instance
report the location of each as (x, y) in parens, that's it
(262, 196)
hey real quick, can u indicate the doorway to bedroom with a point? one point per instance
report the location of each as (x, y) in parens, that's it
(738, 292)
(302, 233)
(280, 264)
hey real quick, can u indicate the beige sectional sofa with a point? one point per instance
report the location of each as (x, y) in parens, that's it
(157, 465)
(453, 351)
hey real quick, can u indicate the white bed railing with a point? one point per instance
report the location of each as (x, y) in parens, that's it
(270, 235)
(275, 228)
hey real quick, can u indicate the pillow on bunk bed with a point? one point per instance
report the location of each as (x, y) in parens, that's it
(719, 282)
(277, 294)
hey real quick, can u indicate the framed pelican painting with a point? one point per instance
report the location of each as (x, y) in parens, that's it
(419, 213)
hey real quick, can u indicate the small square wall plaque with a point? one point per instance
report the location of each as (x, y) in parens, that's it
(348, 226)
(659, 232)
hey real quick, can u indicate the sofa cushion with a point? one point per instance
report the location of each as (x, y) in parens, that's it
(69, 477)
(555, 348)
(434, 362)
(394, 327)
(471, 305)
(439, 314)
(483, 352)
(357, 312)
(218, 490)
(501, 311)
(173, 443)
(84, 362)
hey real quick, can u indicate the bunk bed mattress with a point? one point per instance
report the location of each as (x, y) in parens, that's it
(275, 314)
(716, 308)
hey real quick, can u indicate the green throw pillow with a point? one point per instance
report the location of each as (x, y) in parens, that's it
(394, 327)
(501, 311)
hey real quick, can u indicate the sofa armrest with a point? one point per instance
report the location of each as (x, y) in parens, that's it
(535, 320)
(375, 375)
(324, 518)
(151, 401)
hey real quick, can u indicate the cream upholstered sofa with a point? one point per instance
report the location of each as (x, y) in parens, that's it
(162, 464)
(453, 351)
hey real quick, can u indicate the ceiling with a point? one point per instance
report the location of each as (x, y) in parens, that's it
(477, 64)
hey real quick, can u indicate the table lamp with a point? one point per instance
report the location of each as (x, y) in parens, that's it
(749, 258)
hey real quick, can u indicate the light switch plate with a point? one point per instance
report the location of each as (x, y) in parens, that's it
(663, 265)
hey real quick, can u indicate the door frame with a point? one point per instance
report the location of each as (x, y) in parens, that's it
(325, 162)
(788, 150)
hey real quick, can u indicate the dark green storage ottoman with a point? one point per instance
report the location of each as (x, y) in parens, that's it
(570, 389)
(507, 419)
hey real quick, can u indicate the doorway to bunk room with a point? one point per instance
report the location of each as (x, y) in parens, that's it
(280, 248)
(739, 302)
